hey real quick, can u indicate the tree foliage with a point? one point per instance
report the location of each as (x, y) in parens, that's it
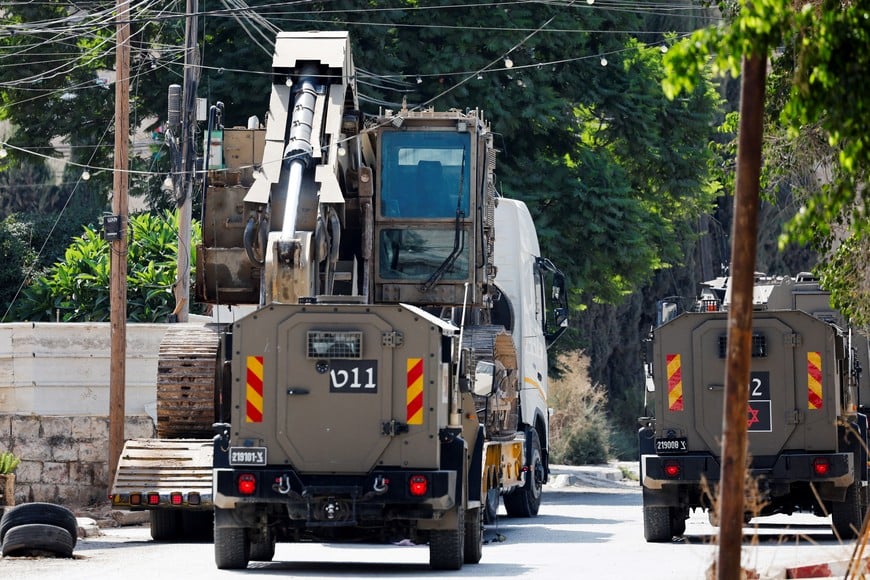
(820, 105)
(605, 162)
(76, 289)
(57, 91)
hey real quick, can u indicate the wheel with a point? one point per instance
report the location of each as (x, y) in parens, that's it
(678, 521)
(490, 512)
(38, 540)
(231, 548)
(657, 524)
(165, 525)
(446, 547)
(473, 536)
(847, 516)
(526, 501)
(39, 513)
(263, 551)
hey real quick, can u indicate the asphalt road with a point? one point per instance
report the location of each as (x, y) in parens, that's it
(589, 527)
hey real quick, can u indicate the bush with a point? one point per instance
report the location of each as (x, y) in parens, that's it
(76, 289)
(8, 463)
(579, 430)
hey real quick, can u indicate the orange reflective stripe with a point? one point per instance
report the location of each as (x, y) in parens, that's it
(254, 390)
(415, 391)
(675, 383)
(814, 380)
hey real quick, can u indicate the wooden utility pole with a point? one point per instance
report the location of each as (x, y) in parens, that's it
(118, 246)
(739, 353)
(188, 163)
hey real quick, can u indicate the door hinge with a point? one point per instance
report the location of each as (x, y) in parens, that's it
(393, 339)
(793, 340)
(393, 428)
(793, 417)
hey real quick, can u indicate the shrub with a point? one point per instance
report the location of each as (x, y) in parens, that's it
(8, 463)
(579, 430)
(76, 289)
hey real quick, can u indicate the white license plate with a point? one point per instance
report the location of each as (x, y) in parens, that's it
(247, 456)
(672, 445)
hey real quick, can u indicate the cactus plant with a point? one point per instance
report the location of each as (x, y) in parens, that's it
(8, 463)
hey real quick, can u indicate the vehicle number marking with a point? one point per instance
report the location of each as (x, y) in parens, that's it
(350, 376)
(675, 445)
(759, 412)
(247, 456)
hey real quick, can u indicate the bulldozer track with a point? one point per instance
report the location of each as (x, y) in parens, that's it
(186, 382)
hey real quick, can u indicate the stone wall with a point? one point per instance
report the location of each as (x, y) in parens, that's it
(54, 404)
(63, 459)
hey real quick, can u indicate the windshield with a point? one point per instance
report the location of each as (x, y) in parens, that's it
(424, 174)
(416, 254)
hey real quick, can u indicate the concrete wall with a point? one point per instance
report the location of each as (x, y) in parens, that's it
(54, 404)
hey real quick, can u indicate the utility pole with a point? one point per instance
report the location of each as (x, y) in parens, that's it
(184, 190)
(118, 245)
(744, 236)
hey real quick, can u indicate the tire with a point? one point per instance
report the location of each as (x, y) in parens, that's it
(657, 524)
(526, 501)
(847, 516)
(490, 506)
(39, 513)
(678, 521)
(38, 540)
(446, 547)
(262, 551)
(231, 549)
(165, 525)
(473, 536)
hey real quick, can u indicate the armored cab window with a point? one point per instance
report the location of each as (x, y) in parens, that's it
(334, 344)
(425, 192)
(425, 175)
(759, 345)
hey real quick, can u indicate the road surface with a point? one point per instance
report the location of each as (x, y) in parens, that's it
(583, 531)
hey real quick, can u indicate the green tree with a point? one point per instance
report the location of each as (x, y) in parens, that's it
(606, 163)
(76, 289)
(819, 97)
(54, 88)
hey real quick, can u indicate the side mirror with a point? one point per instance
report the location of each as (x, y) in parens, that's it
(483, 378)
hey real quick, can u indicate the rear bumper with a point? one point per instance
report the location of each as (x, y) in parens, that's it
(660, 472)
(381, 494)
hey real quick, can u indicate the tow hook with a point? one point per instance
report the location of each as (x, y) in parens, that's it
(381, 484)
(331, 509)
(283, 486)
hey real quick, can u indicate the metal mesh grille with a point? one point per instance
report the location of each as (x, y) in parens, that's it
(334, 344)
(759, 346)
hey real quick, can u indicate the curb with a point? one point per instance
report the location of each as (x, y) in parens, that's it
(827, 570)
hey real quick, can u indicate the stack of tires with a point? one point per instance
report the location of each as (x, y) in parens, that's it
(38, 529)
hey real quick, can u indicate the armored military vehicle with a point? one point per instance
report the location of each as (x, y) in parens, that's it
(391, 381)
(807, 426)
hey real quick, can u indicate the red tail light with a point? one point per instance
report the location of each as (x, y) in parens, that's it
(175, 498)
(821, 466)
(135, 499)
(418, 485)
(247, 484)
(672, 469)
(153, 498)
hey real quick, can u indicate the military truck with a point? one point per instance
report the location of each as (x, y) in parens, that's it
(806, 419)
(391, 380)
